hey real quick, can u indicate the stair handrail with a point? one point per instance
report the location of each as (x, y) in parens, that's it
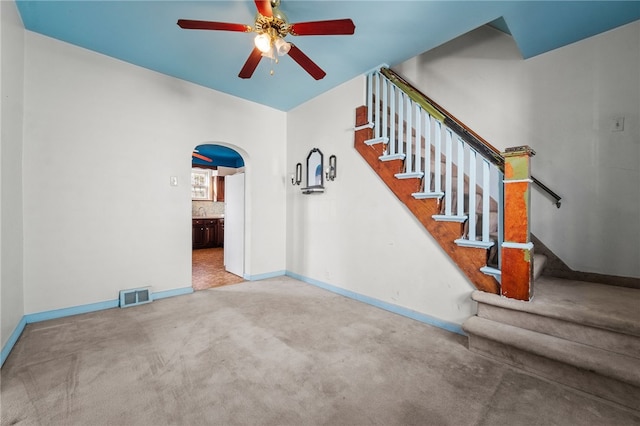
(548, 191)
(483, 147)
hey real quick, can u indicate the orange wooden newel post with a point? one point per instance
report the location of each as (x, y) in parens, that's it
(517, 248)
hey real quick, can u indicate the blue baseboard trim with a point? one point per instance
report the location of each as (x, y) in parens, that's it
(83, 309)
(171, 293)
(405, 312)
(259, 277)
(6, 350)
(74, 310)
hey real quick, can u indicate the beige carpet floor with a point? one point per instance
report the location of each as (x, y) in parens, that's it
(208, 269)
(272, 352)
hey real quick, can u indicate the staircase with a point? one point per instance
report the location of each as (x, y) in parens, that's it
(584, 335)
(444, 174)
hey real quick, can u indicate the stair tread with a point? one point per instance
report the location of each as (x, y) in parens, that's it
(597, 305)
(610, 364)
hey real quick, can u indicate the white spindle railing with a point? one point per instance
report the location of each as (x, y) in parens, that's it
(467, 185)
(437, 141)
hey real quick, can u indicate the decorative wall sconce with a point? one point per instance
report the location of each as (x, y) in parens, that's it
(296, 178)
(332, 170)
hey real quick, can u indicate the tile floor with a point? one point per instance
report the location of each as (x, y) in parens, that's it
(208, 269)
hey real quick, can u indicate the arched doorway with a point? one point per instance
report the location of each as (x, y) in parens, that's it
(217, 208)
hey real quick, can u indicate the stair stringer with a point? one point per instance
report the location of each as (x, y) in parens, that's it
(468, 259)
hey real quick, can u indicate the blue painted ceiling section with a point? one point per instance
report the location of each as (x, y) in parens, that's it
(387, 32)
(221, 156)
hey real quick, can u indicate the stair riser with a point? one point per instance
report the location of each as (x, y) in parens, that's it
(600, 338)
(595, 384)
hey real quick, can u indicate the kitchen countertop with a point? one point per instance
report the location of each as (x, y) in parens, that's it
(214, 216)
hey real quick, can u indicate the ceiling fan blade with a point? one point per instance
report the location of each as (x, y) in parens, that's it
(305, 62)
(251, 64)
(202, 157)
(333, 27)
(189, 24)
(264, 7)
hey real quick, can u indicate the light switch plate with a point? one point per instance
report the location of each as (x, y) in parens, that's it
(618, 124)
(173, 180)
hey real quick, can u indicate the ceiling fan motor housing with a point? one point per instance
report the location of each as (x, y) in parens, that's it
(276, 25)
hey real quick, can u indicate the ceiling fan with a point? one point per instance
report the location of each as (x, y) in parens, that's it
(195, 154)
(271, 26)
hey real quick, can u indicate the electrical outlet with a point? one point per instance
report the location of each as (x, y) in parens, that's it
(173, 180)
(617, 124)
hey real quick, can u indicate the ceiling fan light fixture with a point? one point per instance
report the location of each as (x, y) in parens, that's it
(263, 42)
(270, 54)
(282, 47)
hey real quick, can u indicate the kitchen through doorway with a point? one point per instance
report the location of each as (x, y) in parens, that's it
(213, 166)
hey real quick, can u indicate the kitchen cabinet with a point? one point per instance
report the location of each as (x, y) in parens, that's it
(198, 234)
(219, 188)
(207, 233)
(220, 233)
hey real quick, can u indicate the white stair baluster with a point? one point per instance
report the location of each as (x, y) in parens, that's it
(384, 109)
(437, 140)
(472, 196)
(418, 138)
(391, 146)
(401, 136)
(448, 170)
(460, 177)
(486, 201)
(428, 138)
(370, 97)
(407, 138)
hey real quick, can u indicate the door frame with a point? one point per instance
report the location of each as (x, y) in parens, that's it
(247, 227)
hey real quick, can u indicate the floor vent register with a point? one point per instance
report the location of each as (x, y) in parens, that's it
(134, 297)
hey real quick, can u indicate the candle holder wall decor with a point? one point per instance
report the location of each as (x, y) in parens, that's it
(296, 179)
(332, 170)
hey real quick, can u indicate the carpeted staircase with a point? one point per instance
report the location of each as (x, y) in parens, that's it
(583, 335)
